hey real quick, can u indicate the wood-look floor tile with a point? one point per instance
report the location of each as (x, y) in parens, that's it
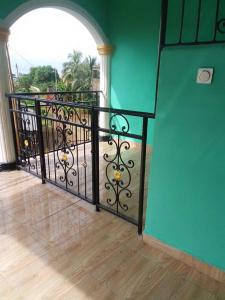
(220, 292)
(190, 291)
(7, 292)
(18, 250)
(8, 225)
(65, 223)
(202, 280)
(50, 250)
(88, 288)
(31, 212)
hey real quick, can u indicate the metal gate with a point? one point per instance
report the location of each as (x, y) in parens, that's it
(95, 153)
(53, 138)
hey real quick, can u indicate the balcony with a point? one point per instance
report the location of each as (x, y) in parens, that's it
(79, 245)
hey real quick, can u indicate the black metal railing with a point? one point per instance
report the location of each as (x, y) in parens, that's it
(198, 22)
(103, 163)
(82, 97)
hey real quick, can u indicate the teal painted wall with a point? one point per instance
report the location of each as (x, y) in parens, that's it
(97, 9)
(134, 29)
(187, 195)
(134, 32)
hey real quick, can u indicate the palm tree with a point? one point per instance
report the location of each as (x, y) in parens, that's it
(71, 68)
(77, 73)
(91, 62)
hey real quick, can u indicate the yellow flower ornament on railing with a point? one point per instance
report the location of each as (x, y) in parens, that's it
(117, 176)
(26, 143)
(64, 157)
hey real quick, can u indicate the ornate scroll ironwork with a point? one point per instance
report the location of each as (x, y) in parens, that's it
(74, 115)
(118, 169)
(64, 151)
(119, 122)
(27, 133)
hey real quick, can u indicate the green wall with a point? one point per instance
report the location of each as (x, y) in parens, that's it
(134, 31)
(187, 191)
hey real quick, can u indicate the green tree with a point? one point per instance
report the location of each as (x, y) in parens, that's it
(91, 61)
(41, 77)
(44, 76)
(77, 72)
(23, 83)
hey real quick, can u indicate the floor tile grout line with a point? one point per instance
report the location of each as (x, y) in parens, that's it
(81, 230)
(53, 214)
(24, 223)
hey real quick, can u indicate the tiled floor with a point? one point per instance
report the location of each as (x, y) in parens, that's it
(54, 246)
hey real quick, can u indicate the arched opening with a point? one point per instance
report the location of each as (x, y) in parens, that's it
(51, 51)
(102, 44)
(7, 153)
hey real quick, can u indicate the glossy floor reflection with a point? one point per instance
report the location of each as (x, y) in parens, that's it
(54, 246)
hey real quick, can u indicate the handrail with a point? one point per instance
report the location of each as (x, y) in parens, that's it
(83, 106)
(58, 93)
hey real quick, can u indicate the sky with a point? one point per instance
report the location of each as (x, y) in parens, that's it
(46, 36)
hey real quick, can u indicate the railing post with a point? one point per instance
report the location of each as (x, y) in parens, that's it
(97, 159)
(95, 156)
(14, 128)
(97, 99)
(142, 174)
(40, 140)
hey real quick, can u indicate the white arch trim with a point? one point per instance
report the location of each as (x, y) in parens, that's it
(68, 6)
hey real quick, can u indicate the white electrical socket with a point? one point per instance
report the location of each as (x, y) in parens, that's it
(205, 75)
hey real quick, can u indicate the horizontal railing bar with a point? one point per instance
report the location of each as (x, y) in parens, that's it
(23, 112)
(120, 133)
(59, 93)
(125, 112)
(105, 130)
(50, 102)
(46, 105)
(87, 107)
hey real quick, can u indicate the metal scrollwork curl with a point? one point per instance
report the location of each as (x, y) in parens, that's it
(119, 119)
(221, 26)
(118, 174)
(65, 155)
(28, 142)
